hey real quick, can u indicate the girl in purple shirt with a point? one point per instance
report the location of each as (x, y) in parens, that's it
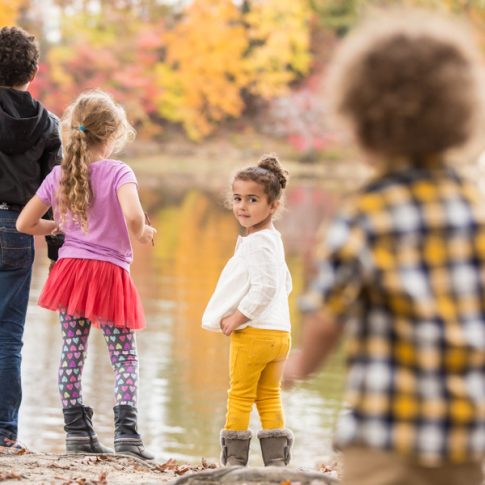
(96, 204)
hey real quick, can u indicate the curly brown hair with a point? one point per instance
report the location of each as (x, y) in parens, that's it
(88, 124)
(269, 173)
(408, 83)
(19, 56)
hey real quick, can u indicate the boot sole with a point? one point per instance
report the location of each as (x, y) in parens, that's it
(132, 455)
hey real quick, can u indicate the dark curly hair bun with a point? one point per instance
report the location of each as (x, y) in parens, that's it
(270, 162)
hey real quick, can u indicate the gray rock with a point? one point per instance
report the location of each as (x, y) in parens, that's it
(255, 476)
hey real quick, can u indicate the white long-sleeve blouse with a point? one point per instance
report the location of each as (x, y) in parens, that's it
(256, 281)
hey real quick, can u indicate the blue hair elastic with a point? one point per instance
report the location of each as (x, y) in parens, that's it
(82, 128)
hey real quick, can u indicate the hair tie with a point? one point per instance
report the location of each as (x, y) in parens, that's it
(82, 128)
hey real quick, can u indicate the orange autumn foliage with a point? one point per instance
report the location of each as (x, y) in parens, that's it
(9, 10)
(204, 71)
(218, 53)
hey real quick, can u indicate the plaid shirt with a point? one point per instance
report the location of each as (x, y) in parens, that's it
(405, 263)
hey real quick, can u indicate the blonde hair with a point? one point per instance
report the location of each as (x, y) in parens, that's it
(93, 120)
(407, 82)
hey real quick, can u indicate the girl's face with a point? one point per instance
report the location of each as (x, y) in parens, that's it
(250, 205)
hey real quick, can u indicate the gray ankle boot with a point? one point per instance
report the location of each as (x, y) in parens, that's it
(81, 437)
(235, 447)
(276, 446)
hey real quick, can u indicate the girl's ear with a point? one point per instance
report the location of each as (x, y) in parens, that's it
(274, 206)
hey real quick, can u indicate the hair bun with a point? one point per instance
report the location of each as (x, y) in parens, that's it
(270, 162)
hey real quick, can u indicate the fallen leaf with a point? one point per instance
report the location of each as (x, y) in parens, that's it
(10, 476)
(181, 470)
(169, 465)
(206, 465)
(102, 479)
(88, 460)
(324, 468)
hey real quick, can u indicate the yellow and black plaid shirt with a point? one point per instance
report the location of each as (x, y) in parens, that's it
(407, 259)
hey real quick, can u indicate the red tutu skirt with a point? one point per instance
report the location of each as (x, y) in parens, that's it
(100, 291)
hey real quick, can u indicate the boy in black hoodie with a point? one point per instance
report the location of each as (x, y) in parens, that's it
(30, 146)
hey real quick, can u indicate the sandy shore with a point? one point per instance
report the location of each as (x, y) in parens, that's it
(49, 469)
(23, 466)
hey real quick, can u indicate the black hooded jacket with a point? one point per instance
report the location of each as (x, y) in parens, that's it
(30, 146)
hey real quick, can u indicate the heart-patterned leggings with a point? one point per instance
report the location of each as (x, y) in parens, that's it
(123, 355)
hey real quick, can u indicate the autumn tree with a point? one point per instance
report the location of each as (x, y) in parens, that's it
(217, 52)
(279, 34)
(204, 70)
(116, 53)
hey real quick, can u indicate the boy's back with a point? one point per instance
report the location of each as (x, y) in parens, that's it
(410, 250)
(29, 145)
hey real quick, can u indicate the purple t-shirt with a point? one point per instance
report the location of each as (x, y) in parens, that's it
(107, 237)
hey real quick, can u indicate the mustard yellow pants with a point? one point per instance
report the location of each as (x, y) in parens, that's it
(256, 361)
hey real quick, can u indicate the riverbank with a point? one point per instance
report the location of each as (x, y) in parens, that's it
(25, 467)
(42, 469)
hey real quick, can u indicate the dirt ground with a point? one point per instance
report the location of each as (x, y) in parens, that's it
(25, 467)
(49, 469)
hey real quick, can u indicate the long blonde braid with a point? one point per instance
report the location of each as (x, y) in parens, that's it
(93, 120)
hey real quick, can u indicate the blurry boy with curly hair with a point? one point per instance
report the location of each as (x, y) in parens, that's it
(404, 260)
(29, 148)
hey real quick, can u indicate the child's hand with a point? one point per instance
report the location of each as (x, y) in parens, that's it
(291, 371)
(228, 325)
(147, 235)
(56, 230)
(232, 322)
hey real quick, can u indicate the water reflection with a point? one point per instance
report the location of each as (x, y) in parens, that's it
(184, 374)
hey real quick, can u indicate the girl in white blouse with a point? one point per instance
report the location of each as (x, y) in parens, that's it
(250, 304)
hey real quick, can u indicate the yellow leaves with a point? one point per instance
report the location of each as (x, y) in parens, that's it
(9, 10)
(203, 74)
(279, 30)
(216, 52)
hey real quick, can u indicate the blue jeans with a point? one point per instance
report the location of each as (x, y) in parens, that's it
(16, 259)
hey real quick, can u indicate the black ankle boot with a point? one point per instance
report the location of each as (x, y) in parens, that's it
(127, 439)
(81, 437)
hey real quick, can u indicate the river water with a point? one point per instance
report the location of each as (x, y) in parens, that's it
(183, 369)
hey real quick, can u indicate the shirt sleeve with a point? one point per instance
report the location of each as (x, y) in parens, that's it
(262, 271)
(340, 270)
(46, 190)
(124, 176)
